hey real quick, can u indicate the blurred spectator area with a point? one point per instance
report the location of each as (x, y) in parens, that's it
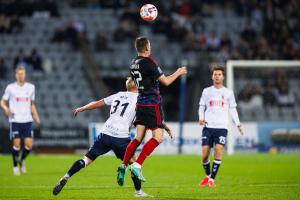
(197, 31)
(268, 94)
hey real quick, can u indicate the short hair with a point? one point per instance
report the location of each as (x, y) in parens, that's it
(20, 67)
(141, 44)
(218, 68)
(130, 84)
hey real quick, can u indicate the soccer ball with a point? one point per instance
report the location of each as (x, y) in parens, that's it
(148, 12)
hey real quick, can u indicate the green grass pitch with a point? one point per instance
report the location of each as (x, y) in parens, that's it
(243, 176)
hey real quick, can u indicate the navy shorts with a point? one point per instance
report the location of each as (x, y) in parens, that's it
(212, 136)
(104, 143)
(21, 130)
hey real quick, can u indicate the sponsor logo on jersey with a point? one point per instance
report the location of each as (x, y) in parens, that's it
(216, 103)
(22, 99)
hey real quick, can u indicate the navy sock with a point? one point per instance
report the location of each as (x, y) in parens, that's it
(215, 168)
(206, 166)
(15, 155)
(78, 165)
(26, 151)
(137, 183)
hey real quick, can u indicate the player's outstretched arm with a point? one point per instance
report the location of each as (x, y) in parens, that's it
(5, 108)
(90, 106)
(167, 80)
(35, 114)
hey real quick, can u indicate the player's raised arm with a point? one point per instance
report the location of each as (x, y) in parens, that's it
(89, 106)
(167, 80)
(95, 104)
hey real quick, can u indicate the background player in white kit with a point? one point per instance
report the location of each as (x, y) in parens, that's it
(18, 105)
(114, 135)
(215, 103)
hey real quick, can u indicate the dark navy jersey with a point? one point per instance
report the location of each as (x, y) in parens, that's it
(145, 73)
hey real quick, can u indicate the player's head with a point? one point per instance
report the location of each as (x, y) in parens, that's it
(20, 74)
(218, 74)
(142, 45)
(130, 85)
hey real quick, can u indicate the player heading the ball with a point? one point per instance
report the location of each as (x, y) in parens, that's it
(149, 115)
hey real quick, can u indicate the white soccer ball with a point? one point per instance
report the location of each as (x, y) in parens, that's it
(148, 12)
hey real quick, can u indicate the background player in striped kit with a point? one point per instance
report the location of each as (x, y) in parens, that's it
(215, 103)
(18, 105)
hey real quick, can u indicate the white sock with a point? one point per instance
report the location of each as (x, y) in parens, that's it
(139, 191)
(66, 176)
(137, 165)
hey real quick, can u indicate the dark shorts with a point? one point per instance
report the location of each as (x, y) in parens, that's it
(212, 136)
(21, 130)
(104, 143)
(151, 116)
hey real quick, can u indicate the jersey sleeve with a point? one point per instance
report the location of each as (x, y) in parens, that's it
(6, 94)
(32, 96)
(232, 102)
(203, 98)
(154, 69)
(202, 105)
(108, 100)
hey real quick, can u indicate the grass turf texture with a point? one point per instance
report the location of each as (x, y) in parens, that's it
(249, 176)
